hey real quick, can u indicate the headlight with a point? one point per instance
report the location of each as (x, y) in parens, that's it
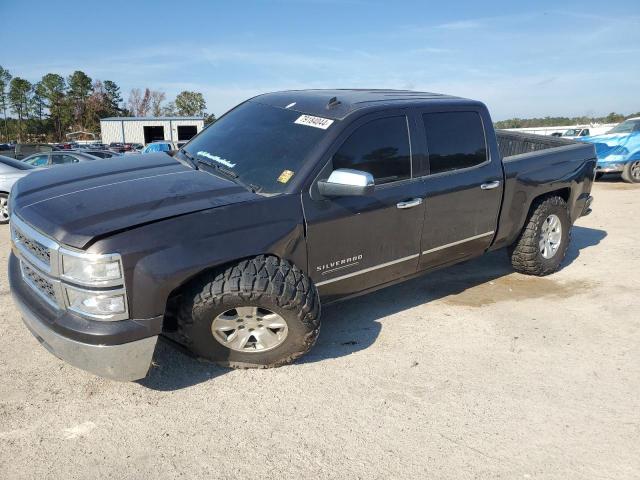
(91, 270)
(99, 305)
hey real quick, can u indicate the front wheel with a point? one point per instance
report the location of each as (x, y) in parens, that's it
(4, 208)
(631, 172)
(260, 313)
(543, 242)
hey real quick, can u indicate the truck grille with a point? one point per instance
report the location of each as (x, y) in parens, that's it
(40, 260)
(39, 283)
(34, 247)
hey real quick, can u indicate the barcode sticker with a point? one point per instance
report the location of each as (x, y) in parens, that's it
(311, 121)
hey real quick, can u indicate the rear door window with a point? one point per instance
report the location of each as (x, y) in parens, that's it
(455, 141)
(380, 147)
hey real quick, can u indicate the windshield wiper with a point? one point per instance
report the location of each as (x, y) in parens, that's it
(230, 174)
(189, 157)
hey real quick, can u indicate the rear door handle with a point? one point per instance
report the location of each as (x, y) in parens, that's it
(490, 185)
(414, 202)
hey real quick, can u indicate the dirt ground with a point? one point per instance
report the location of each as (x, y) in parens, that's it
(470, 372)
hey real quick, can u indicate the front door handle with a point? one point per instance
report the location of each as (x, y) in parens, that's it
(490, 185)
(414, 202)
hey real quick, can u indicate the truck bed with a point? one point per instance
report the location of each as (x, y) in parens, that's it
(535, 164)
(518, 143)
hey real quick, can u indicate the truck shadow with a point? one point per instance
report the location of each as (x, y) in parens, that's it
(353, 325)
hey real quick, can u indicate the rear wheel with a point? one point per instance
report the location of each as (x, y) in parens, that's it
(631, 172)
(543, 242)
(4, 208)
(260, 313)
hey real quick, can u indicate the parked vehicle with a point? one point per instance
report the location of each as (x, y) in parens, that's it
(56, 158)
(23, 150)
(93, 146)
(290, 200)
(120, 147)
(157, 146)
(576, 132)
(160, 146)
(66, 146)
(11, 170)
(101, 153)
(619, 150)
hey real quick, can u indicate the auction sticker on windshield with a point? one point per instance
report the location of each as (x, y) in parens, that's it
(285, 176)
(311, 121)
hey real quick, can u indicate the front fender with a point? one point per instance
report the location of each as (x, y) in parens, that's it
(160, 257)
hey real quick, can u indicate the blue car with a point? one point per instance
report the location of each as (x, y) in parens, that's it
(619, 150)
(159, 146)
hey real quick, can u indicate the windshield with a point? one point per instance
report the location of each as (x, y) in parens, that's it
(261, 144)
(17, 164)
(628, 126)
(572, 132)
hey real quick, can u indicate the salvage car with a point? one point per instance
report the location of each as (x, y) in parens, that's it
(57, 158)
(619, 150)
(159, 146)
(11, 170)
(289, 201)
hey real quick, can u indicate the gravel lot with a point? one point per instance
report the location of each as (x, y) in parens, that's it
(470, 372)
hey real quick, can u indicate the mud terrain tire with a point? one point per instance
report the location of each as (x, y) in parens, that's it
(265, 284)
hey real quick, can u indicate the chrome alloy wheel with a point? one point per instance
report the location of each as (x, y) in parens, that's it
(249, 329)
(550, 236)
(635, 170)
(4, 209)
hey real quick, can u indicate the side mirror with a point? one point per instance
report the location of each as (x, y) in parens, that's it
(345, 182)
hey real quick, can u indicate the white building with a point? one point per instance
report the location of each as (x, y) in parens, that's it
(149, 129)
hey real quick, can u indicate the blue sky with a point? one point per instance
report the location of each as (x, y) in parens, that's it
(521, 58)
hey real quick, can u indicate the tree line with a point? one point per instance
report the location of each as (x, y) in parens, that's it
(54, 106)
(562, 121)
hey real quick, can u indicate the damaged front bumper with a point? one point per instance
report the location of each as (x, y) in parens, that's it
(126, 362)
(121, 350)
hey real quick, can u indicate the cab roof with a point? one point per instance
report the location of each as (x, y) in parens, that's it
(338, 103)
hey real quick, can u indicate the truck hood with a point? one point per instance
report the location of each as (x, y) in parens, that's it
(79, 203)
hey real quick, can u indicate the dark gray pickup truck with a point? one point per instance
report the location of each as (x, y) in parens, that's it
(290, 200)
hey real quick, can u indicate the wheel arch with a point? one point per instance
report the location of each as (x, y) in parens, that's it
(519, 208)
(175, 296)
(564, 193)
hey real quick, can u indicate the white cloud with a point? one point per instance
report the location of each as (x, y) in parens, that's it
(460, 25)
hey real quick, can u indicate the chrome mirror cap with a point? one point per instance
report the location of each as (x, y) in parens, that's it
(347, 176)
(345, 182)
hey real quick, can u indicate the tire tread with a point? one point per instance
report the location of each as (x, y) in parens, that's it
(251, 280)
(524, 253)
